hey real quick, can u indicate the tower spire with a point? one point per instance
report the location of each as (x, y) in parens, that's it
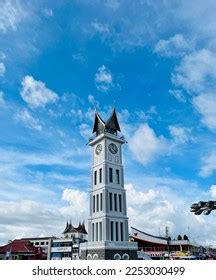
(112, 124)
(99, 124)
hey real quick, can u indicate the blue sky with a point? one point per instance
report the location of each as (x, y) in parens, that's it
(153, 62)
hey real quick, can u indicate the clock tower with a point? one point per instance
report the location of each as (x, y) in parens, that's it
(108, 222)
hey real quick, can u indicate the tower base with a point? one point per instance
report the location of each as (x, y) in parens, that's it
(108, 250)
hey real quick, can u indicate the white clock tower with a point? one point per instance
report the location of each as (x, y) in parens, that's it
(108, 221)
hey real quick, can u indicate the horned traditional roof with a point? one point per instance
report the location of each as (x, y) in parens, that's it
(71, 229)
(111, 125)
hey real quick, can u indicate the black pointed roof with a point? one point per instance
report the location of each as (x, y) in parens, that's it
(111, 125)
(99, 124)
(66, 228)
(71, 229)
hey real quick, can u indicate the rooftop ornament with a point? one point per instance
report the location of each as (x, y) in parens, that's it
(203, 207)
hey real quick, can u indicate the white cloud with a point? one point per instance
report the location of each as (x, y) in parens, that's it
(178, 94)
(91, 99)
(103, 79)
(100, 27)
(85, 130)
(180, 135)
(197, 75)
(113, 4)
(78, 201)
(2, 56)
(208, 165)
(205, 104)
(2, 69)
(28, 120)
(145, 145)
(26, 218)
(78, 57)
(152, 208)
(213, 191)
(174, 46)
(48, 12)
(146, 115)
(78, 114)
(196, 72)
(36, 94)
(11, 13)
(2, 101)
(140, 198)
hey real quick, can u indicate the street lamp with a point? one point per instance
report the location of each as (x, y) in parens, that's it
(203, 207)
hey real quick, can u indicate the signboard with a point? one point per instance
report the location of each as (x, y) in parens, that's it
(60, 249)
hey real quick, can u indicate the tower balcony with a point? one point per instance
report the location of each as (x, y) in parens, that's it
(117, 136)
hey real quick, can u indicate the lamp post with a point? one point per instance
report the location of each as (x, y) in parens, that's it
(203, 207)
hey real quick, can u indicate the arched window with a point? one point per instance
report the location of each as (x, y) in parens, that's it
(125, 257)
(117, 257)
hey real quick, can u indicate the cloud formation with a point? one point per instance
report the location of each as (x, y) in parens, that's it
(25, 117)
(11, 13)
(103, 79)
(2, 101)
(208, 165)
(174, 46)
(2, 69)
(205, 104)
(213, 191)
(79, 204)
(146, 145)
(196, 72)
(178, 94)
(36, 94)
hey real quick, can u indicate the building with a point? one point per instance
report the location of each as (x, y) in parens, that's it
(42, 242)
(20, 250)
(108, 221)
(164, 248)
(68, 247)
(47, 248)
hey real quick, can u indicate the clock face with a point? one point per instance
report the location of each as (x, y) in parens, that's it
(113, 148)
(98, 149)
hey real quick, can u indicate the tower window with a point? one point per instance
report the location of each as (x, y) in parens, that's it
(100, 231)
(110, 175)
(100, 175)
(111, 229)
(117, 233)
(93, 203)
(115, 201)
(101, 202)
(93, 232)
(120, 203)
(121, 231)
(97, 204)
(96, 231)
(117, 177)
(110, 201)
(95, 177)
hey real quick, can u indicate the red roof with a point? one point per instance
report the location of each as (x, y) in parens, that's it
(19, 246)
